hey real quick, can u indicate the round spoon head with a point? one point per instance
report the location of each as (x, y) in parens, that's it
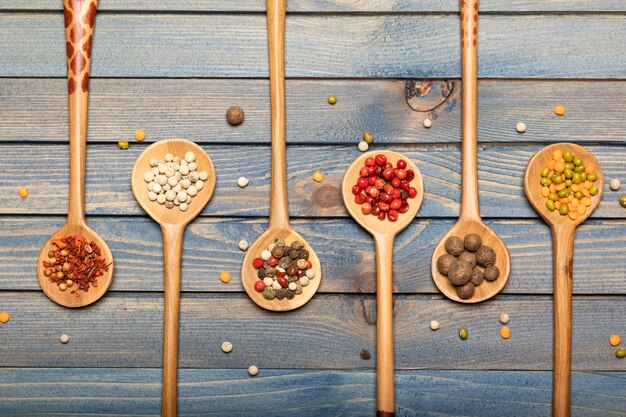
(176, 147)
(369, 222)
(532, 186)
(249, 272)
(73, 297)
(486, 289)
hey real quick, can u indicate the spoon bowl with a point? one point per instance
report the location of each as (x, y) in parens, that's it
(486, 289)
(384, 233)
(173, 222)
(73, 297)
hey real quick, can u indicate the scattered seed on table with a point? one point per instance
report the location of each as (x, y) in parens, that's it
(227, 347)
(559, 110)
(504, 318)
(234, 115)
(332, 99)
(225, 276)
(318, 176)
(253, 370)
(368, 137)
(434, 324)
(4, 317)
(64, 338)
(463, 333)
(615, 340)
(243, 182)
(23, 192)
(140, 135)
(365, 354)
(620, 353)
(363, 146)
(615, 184)
(122, 144)
(520, 127)
(428, 123)
(243, 244)
(505, 332)
(622, 201)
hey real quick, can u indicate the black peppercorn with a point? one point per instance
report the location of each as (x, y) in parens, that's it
(294, 253)
(261, 273)
(278, 252)
(365, 354)
(304, 254)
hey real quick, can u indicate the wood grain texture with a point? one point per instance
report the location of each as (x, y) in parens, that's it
(195, 109)
(335, 5)
(307, 393)
(346, 252)
(388, 46)
(125, 330)
(108, 186)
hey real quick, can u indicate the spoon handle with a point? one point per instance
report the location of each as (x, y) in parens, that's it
(470, 209)
(279, 209)
(563, 247)
(384, 325)
(80, 16)
(172, 254)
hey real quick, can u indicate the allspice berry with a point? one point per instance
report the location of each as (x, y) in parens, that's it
(234, 115)
(444, 263)
(460, 273)
(454, 246)
(478, 276)
(472, 242)
(485, 256)
(492, 273)
(465, 291)
(469, 257)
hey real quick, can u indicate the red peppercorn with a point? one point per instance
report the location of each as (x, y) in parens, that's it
(363, 171)
(378, 169)
(381, 159)
(401, 163)
(257, 263)
(309, 264)
(410, 175)
(356, 190)
(401, 174)
(395, 183)
(381, 215)
(359, 198)
(388, 174)
(379, 183)
(412, 192)
(280, 272)
(375, 210)
(300, 273)
(371, 171)
(272, 261)
(404, 207)
(392, 215)
(370, 162)
(259, 286)
(371, 180)
(395, 193)
(383, 206)
(366, 208)
(362, 182)
(405, 185)
(283, 282)
(395, 204)
(373, 192)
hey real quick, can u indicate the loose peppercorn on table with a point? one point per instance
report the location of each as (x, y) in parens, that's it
(172, 69)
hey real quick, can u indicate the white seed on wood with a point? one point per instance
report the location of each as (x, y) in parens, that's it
(615, 184)
(184, 169)
(199, 184)
(172, 181)
(166, 188)
(520, 127)
(434, 324)
(310, 273)
(170, 195)
(227, 347)
(64, 338)
(304, 281)
(169, 157)
(243, 182)
(243, 244)
(293, 286)
(363, 146)
(161, 179)
(428, 123)
(203, 175)
(154, 162)
(265, 254)
(155, 171)
(156, 187)
(268, 281)
(504, 318)
(182, 196)
(276, 285)
(185, 183)
(253, 370)
(190, 156)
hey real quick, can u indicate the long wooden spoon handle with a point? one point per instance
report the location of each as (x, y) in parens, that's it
(384, 326)
(279, 209)
(172, 253)
(470, 209)
(563, 247)
(80, 16)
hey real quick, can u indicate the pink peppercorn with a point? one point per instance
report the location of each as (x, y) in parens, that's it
(392, 215)
(283, 282)
(309, 264)
(257, 263)
(401, 163)
(259, 286)
(272, 261)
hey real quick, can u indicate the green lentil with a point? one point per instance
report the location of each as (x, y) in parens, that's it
(122, 144)
(593, 190)
(578, 161)
(568, 183)
(620, 353)
(563, 193)
(332, 99)
(569, 166)
(546, 182)
(550, 205)
(568, 156)
(579, 195)
(564, 209)
(557, 179)
(554, 197)
(583, 176)
(368, 137)
(592, 177)
(622, 200)
(579, 169)
(463, 333)
(545, 172)
(577, 179)
(568, 173)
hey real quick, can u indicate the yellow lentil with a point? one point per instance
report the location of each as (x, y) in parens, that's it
(4, 317)
(23, 192)
(545, 191)
(140, 135)
(225, 276)
(559, 110)
(318, 176)
(505, 332)
(615, 340)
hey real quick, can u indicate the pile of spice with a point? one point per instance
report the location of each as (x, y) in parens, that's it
(73, 260)
(175, 181)
(568, 184)
(468, 263)
(283, 270)
(383, 190)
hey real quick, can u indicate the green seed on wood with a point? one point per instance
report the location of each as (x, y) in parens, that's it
(463, 333)
(332, 99)
(620, 353)
(622, 200)
(368, 137)
(122, 144)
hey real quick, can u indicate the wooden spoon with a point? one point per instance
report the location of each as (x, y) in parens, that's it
(384, 233)
(279, 226)
(79, 21)
(563, 231)
(469, 219)
(173, 222)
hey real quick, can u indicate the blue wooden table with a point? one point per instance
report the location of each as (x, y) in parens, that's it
(172, 68)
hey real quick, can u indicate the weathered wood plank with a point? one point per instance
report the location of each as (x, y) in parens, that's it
(44, 170)
(36, 109)
(389, 46)
(334, 5)
(346, 253)
(136, 392)
(125, 330)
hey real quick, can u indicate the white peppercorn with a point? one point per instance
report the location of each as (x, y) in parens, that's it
(520, 127)
(268, 281)
(310, 273)
(615, 184)
(253, 370)
(64, 338)
(293, 286)
(192, 166)
(504, 318)
(172, 181)
(161, 198)
(428, 123)
(434, 324)
(363, 146)
(199, 185)
(154, 162)
(192, 190)
(183, 206)
(182, 196)
(304, 281)
(148, 176)
(243, 244)
(243, 182)
(203, 175)
(227, 347)
(169, 157)
(189, 156)
(276, 285)
(184, 169)
(152, 196)
(170, 195)
(265, 254)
